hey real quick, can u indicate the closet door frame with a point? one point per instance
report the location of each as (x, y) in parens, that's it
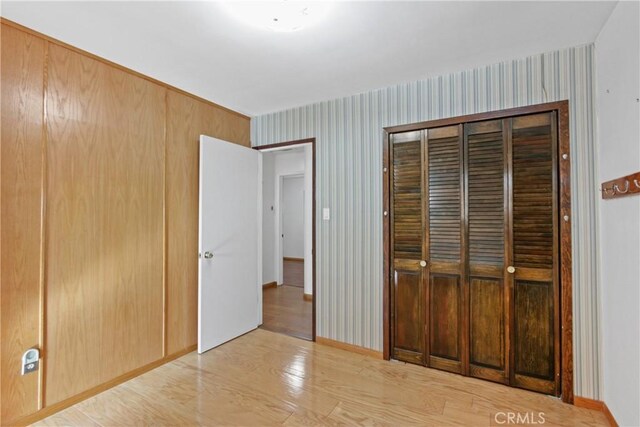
(564, 203)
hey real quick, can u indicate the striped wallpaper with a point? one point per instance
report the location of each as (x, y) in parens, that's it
(349, 182)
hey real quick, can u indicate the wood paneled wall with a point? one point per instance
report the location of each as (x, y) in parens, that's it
(104, 232)
(99, 219)
(21, 224)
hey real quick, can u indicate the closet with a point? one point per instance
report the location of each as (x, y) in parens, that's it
(473, 248)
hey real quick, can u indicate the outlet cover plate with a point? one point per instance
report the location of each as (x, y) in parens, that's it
(30, 367)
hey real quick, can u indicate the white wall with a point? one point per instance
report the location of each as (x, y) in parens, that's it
(293, 216)
(618, 115)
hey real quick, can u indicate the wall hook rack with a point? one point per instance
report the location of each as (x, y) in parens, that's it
(620, 187)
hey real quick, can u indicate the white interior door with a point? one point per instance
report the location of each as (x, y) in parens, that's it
(230, 242)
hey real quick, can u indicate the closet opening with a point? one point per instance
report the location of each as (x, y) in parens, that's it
(288, 238)
(477, 246)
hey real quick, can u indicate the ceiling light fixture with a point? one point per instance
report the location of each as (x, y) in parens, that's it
(280, 16)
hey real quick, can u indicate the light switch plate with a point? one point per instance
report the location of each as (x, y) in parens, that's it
(326, 214)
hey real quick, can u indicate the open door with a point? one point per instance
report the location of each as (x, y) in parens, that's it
(230, 246)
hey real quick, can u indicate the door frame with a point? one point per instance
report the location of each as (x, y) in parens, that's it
(564, 186)
(311, 141)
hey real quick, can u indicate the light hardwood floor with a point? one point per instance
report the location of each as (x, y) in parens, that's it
(264, 378)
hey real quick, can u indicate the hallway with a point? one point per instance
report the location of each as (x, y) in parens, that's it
(284, 308)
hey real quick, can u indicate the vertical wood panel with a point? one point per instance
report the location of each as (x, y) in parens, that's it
(534, 336)
(487, 172)
(22, 94)
(445, 319)
(487, 325)
(104, 219)
(407, 199)
(534, 329)
(409, 321)
(535, 253)
(447, 328)
(187, 119)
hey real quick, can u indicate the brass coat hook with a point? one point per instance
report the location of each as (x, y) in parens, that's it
(618, 190)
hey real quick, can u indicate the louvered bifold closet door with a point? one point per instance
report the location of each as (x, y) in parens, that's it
(446, 291)
(535, 360)
(487, 178)
(407, 243)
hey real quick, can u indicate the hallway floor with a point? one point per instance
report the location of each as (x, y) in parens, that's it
(284, 310)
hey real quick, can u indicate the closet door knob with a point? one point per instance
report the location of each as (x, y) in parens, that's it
(511, 269)
(423, 264)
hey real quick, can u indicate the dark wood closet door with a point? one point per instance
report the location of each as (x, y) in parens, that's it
(446, 334)
(407, 234)
(475, 250)
(486, 165)
(534, 215)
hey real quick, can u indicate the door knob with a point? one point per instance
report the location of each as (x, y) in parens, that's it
(511, 269)
(208, 255)
(423, 264)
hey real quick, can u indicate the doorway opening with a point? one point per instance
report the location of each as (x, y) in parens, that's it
(288, 238)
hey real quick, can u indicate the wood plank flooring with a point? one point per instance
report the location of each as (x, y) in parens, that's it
(263, 379)
(284, 310)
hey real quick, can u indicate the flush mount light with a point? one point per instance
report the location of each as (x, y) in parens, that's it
(279, 16)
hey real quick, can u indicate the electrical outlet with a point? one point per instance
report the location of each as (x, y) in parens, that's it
(30, 361)
(31, 367)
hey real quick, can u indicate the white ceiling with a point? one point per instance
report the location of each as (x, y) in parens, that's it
(360, 46)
